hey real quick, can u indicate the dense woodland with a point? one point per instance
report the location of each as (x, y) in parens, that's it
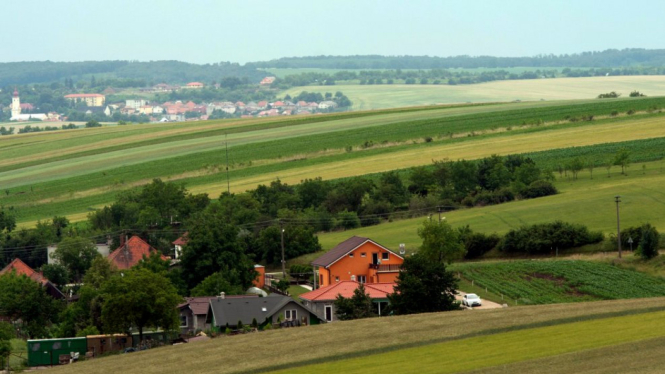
(608, 58)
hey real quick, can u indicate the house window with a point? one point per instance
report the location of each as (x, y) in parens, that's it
(336, 279)
(351, 255)
(385, 256)
(328, 313)
(183, 321)
(363, 254)
(291, 315)
(362, 279)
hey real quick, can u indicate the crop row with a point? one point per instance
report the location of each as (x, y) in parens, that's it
(542, 282)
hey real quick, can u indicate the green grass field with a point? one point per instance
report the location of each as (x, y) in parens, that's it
(586, 201)
(391, 96)
(551, 281)
(487, 338)
(72, 172)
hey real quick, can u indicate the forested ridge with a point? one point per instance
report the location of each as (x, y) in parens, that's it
(608, 58)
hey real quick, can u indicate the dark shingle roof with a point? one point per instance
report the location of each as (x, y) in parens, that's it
(246, 309)
(340, 250)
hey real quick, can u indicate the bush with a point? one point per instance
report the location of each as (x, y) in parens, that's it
(93, 123)
(648, 248)
(546, 237)
(477, 244)
(614, 113)
(347, 220)
(609, 95)
(537, 189)
(493, 197)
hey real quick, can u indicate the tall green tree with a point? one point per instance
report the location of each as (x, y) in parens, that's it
(6, 334)
(76, 254)
(622, 158)
(649, 243)
(23, 298)
(441, 243)
(355, 307)
(213, 246)
(423, 286)
(139, 298)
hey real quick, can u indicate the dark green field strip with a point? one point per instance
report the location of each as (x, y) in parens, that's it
(545, 282)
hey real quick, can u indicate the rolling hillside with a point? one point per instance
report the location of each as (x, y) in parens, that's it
(390, 96)
(71, 172)
(449, 342)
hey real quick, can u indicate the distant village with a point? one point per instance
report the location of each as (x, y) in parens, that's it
(94, 104)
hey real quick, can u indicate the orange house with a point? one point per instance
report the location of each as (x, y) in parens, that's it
(358, 259)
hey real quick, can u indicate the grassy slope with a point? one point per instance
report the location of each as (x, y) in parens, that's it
(374, 160)
(391, 96)
(587, 201)
(502, 349)
(329, 342)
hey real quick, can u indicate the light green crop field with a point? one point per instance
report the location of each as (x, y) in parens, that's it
(501, 349)
(485, 337)
(586, 201)
(390, 96)
(72, 172)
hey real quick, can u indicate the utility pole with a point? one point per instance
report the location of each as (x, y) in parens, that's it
(439, 209)
(617, 199)
(228, 183)
(281, 230)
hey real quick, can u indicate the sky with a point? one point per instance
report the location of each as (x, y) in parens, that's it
(208, 31)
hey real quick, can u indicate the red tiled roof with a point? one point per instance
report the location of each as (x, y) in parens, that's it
(346, 288)
(23, 269)
(195, 84)
(131, 253)
(181, 240)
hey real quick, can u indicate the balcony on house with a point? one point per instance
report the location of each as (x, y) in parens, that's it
(387, 268)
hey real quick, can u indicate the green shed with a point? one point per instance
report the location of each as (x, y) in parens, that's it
(47, 351)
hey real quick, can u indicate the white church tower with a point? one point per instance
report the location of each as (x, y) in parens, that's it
(16, 105)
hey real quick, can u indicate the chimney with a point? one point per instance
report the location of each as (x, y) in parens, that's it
(123, 238)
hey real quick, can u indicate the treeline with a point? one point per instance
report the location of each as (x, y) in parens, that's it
(152, 72)
(607, 58)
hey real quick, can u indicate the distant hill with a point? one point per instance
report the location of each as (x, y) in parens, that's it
(607, 58)
(21, 73)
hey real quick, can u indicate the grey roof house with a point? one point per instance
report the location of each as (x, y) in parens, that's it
(270, 309)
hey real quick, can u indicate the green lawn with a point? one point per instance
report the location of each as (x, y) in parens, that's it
(585, 325)
(504, 348)
(391, 96)
(296, 291)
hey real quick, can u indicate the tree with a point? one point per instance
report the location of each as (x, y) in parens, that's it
(56, 273)
(441, 243)
(648, 247)
(575, 166)
(6, 334)
(622, 158)
(215, 284)
(140, 298)
(590, 166)
(76, 254)
(93, 123)
(213, 246)
(423, 286)
(23, 298)
(357, 306)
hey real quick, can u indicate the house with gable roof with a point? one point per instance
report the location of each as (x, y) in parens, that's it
(322, 300)
(272, 309)
(21, 268)
(358, 259)
(131, 252)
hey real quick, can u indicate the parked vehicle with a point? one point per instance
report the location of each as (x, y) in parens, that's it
(471, 300)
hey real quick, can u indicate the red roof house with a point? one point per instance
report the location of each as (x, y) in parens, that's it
(21, 268)
(131, 253)
(322, 300)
